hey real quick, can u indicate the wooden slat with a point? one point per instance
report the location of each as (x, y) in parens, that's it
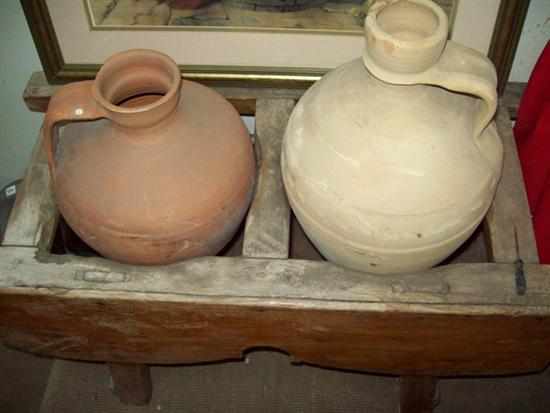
(267, 230)
(509, 217)
(38, 92)
(454, 320)
(34, 215)
(461, 288)
(164, 329)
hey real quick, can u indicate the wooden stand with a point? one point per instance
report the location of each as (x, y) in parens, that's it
(453, 320)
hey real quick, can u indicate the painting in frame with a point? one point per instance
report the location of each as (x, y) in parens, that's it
(338, 16)
(222, 41)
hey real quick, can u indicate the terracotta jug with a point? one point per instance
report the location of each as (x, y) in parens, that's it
(151, 168)
(391, 161)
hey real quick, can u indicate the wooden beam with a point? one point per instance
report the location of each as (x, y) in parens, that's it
(144, 328)
(267, 230)
(483, 288)
(33, 219)
(454, 320)
(509, 217)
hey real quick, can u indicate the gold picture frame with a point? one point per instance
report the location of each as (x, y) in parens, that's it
(51, 42)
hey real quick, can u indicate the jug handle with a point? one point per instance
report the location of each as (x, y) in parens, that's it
(460, 69)
(465, 70)
(72, 102)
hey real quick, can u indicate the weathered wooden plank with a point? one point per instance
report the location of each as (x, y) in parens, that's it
(162, 329)
(88, 312)
(38, 91)
(131, 383)
(509, 217)
(34, 215)
(417, 394)
(461, 288)
(267, 230)
(459, 320)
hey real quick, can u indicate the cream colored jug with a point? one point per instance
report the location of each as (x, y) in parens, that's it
(390, 162)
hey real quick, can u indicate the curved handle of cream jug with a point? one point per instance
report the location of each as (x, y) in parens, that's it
(465, 70)
(406, 44)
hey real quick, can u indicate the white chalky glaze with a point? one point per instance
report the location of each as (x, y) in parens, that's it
(386, 167)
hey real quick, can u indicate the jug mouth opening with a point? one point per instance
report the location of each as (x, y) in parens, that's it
(411, 22)
(406, 36)
(138, 82)
(139, 100)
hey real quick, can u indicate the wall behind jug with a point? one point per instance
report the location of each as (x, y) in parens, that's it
(536, 32)
(19, 127)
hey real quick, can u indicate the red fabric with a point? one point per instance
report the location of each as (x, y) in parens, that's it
(532, 132)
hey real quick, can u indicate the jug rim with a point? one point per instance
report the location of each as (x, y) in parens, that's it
(138, 72)
(411, 51)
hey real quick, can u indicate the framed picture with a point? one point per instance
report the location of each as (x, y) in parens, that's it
(288, 43)
(337, 16)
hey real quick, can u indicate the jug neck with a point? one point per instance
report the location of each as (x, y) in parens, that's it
(138, 88)
(405, 36)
